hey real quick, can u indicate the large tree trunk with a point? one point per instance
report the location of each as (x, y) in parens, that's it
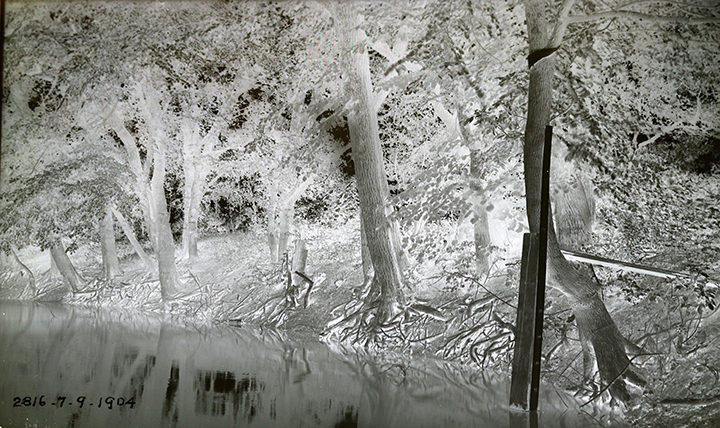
(593, 319)
(190, 223)
(65, 266)
(280, 215)
(574, 209)
(369, 169)
(273, 243)
(400, 253)
(164, 243)
(195, 170)
(165, 251)
(161, 233)
(111, 264)
(127, 230)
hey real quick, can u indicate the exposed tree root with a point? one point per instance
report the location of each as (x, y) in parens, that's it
(480, 334)
(473, 329)
(274, 311)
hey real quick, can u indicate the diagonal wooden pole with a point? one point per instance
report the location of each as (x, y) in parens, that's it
(525, 381)
(542, 266)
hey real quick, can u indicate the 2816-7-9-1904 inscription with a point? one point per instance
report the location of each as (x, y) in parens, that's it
(79, 401)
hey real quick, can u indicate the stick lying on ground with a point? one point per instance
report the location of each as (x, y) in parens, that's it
(630, 267)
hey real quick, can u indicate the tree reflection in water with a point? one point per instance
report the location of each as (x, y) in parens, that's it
(215, 389)
(190, 376)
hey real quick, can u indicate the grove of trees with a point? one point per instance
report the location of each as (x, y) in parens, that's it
(422, 122)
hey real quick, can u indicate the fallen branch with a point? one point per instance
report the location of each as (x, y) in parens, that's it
(574, 256)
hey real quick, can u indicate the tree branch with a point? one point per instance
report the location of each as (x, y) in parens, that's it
(562, 23)
(130, 144)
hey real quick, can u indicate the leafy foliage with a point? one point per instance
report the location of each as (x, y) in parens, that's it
(66, 200)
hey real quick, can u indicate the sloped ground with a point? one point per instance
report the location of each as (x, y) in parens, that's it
(231, 277)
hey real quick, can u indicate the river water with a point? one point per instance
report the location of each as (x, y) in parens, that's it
(64, 366)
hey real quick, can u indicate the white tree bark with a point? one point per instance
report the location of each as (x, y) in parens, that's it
(160, 231)
(198, 155)
(111, 264)
(127, 230)
(369, 166)
(281, 216)
(65, 266)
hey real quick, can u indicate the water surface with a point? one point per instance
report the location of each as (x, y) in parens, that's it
(170, 375)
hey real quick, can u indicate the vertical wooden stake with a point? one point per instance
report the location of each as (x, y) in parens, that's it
(525, 321)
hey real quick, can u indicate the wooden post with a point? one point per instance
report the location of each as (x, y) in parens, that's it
(542, 266)
(525, 381)
(525, 321)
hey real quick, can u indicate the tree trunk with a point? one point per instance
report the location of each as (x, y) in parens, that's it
(273, 242)
(141, 187)
(166, 259)
(194, 169)
(593, 319)
(54, 271)
(65, 267)
(27, 271)
(283, 233)
(272, 233)
(367, 266)
(190, 230)
(369, 169)
(481, 229)
(279, 234)
(192, 195)
(298, 262)
(127, 230)
(280, 219)
(190, 250)
(164, 243)
(400, 253)
(111, 265)
(481, 232)
(574, 209)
